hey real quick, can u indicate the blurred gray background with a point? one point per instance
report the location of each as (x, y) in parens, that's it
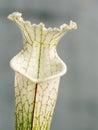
(77, 104)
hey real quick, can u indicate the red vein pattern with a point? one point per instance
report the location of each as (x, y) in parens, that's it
(34, 103)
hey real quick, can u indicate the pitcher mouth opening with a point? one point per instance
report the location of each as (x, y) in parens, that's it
(60, 72)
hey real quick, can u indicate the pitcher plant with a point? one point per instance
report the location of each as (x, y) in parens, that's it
(38, 69)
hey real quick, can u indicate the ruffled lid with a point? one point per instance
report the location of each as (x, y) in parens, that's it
(38, 60)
